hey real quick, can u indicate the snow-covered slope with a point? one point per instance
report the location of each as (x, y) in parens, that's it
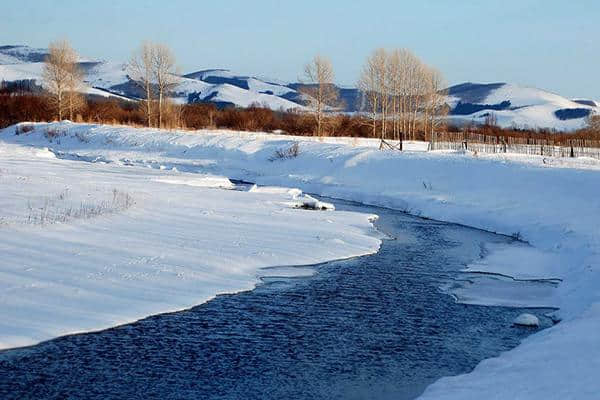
(21, 54)
(518, 106)
(497, 192)
(253, 84)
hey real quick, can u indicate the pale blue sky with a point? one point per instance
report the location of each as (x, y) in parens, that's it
(545, 43)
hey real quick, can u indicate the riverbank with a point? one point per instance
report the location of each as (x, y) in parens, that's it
(550, 203)
(87, 246)
(375, 327)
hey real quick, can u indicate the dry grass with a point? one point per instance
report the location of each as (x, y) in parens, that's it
(58, 210)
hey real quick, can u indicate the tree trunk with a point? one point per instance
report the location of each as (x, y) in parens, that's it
(160, 108)
(148, 109)
(60, 105)
(71, 106)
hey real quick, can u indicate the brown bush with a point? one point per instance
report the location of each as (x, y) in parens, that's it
(23, 128)
(16, 107)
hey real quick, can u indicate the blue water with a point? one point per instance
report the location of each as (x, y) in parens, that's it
(374, 327)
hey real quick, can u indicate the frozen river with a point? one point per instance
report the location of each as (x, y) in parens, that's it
(374, 327)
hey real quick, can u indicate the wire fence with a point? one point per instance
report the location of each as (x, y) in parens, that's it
(519, 145)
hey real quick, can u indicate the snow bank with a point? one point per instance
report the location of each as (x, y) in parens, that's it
(527, 319)
(297, 198)
(555, 209)
(208, 181)
(172, 247)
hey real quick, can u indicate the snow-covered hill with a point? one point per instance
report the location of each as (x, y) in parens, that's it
(518, 106)
(107, 78)
(512, 105)
(21, 54)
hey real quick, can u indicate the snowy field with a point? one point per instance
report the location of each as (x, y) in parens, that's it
(553, 205)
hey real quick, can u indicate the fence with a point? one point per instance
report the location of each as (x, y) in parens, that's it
(520, 145)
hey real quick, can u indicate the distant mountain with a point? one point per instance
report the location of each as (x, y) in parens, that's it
(512, 105)
(517, 106)
(21, 54)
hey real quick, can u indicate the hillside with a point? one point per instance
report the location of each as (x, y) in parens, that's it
(517, 106)
(107, 78)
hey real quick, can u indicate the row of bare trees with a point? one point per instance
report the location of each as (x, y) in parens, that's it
(400, 91)
(153, 68)
(63, 79)
(593, 122)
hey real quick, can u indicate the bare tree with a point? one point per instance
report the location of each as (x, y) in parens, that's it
(61, 76)
(142, 73)
(379, 59)
(435, 107)
(394, 72)
(368, 85)
(75, 100)
(376, 83)
(320, 89)
(594, 122)
(165, 75)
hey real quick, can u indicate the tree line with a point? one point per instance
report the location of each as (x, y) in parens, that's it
(152, 68)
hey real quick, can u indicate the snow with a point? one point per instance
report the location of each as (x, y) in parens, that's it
(9, 59)
(311, 203)
(552, 205)
(498, 290)
(297, 198)
(20, 54)
(529, 108)
(255, 84)
(33, 71)
(177, 245)
(107, 74)
(523, 96)
(22, 71)
(527, 320)
(202, 181)
(245, 98)
(512, 276)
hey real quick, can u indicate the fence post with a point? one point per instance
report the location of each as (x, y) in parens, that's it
(572, 152)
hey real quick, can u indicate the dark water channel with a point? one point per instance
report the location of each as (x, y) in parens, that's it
(375, 327)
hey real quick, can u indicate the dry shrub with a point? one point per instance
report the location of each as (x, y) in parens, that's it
(23, 128)
(284, 154)
(53, 133)
(19, 107)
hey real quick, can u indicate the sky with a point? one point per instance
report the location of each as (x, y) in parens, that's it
(553, 45)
